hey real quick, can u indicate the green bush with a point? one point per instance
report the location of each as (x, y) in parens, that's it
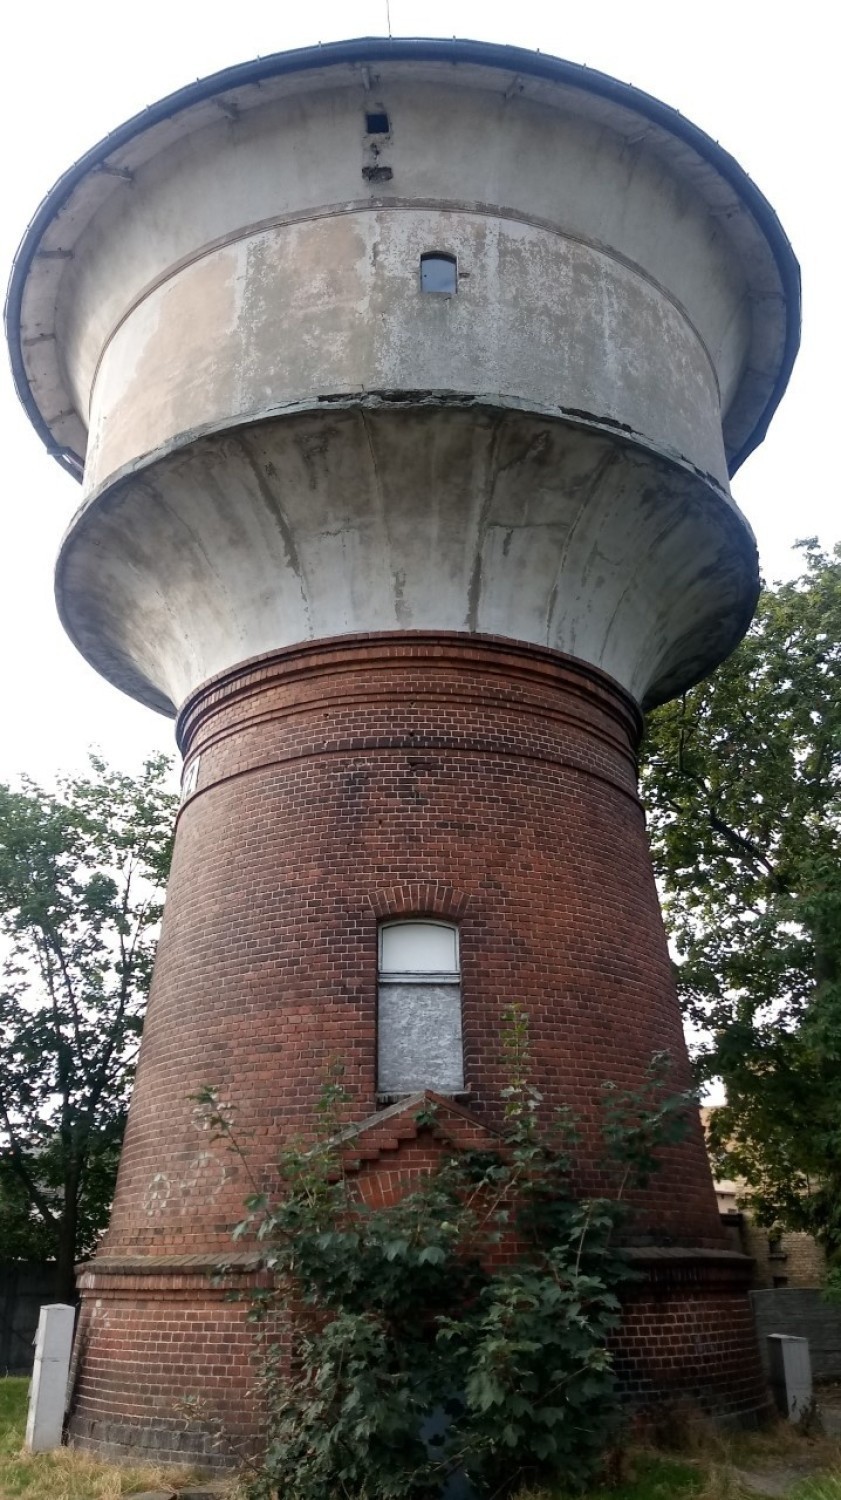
(462, 1331)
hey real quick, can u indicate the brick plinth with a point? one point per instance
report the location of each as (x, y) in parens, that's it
(332, 786)
(688, 1335)
(166, 1367)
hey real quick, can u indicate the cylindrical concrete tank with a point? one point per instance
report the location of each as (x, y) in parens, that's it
(405, 379)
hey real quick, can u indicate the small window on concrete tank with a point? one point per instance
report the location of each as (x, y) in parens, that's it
(419, 1043)
(377, 124)
(439, 273)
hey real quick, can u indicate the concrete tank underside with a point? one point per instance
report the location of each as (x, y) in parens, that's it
(408, 515)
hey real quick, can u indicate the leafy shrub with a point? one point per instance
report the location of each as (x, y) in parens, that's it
(460, 1334)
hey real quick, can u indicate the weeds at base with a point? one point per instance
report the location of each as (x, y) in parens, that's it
(68, 1473)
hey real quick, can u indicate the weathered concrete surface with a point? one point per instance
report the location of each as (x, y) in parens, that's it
(542, 455)
(191, 1492)
(775, 1483)
(485, 140)
(377, 516)
(539, 320)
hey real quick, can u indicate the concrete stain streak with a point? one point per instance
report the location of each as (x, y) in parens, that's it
(401, 608)
(474, 589)
(382, 516)
(596, 481)
(287, 536)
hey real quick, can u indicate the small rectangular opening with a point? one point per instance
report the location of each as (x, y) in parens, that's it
(377, 123)
(439, 273)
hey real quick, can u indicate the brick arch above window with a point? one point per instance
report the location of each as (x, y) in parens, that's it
(419, 899)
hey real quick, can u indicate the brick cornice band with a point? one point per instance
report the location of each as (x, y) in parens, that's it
(425, 694)
(347, 668)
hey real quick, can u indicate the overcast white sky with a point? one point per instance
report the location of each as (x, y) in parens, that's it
(761, 79)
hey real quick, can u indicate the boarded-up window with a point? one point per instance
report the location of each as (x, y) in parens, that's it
(419, 1041)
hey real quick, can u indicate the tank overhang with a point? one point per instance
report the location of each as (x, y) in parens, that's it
(741, 213)
(226, 550)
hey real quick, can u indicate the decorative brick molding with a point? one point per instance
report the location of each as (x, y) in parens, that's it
(308, 668)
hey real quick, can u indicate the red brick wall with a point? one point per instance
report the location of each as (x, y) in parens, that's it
(343, 782)
(166, 1364)
(687, 1335)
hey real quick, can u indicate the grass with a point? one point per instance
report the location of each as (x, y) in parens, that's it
(706, 1468)
(649, 1477)
(705, 1463)
(65, 1474)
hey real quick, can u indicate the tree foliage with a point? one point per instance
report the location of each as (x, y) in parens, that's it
(742, 781)
(82, 870)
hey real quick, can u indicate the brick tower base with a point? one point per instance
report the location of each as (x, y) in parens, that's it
(332, 787)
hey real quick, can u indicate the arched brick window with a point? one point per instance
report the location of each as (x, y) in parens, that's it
(419, 1043)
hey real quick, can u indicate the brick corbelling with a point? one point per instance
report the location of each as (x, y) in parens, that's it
(344, 668)
(153, 1276)
(414, 704)
(344, 656)
(356, 681)
(237, 1262)
(689, 1269)
(415, 1132)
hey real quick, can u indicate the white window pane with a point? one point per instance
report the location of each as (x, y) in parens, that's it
(419, 1039)
(418, 948)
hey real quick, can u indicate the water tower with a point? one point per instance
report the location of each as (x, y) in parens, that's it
(404, 380)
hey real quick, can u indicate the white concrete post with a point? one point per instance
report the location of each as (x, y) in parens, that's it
(791, 1374)
(53, 1343)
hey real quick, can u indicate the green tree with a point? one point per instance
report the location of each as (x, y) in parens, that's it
(82, 871)
(742, 782)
